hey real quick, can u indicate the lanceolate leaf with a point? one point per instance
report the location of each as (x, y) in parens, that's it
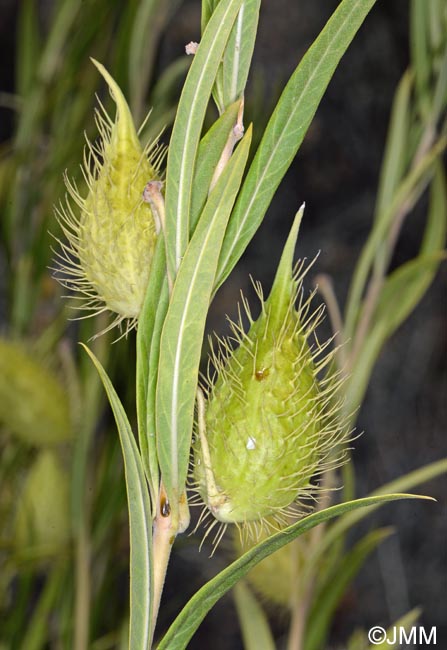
(404, 289)
(239, 51)
(182, 335)
(140, 522)
(145, 343)
(189, 619)
(188, 126)
(287, 128)
(208, 6)
(149, 19)
(394, 160)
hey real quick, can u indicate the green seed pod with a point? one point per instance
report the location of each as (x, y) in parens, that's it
(276, 578)
(43, 515)
(271, 425)
(33, 405)
(111, 243)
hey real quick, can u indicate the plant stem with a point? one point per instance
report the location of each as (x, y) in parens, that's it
(236, 134)
(164, 532)
(326, 289)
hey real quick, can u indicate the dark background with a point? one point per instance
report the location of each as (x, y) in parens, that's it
(336, 172)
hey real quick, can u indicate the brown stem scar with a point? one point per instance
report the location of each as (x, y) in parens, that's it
(165, 508)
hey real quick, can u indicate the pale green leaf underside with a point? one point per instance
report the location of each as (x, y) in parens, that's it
(139, 519)
(287, 128)
(189, 619)
(182, 335)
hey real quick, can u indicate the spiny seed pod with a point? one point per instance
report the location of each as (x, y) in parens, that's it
(276, 578)
(111, 242)
(33, 405)
(43, 515)
(271, 424)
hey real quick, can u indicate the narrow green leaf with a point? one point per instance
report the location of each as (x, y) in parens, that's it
(189, 619)
(407, 482)
(49, 60)
(182, 335)
(208, 155)
(393, 165)
(28, 46)
(155, 294)
(146, 28)
(154, 355)
(35, 635)
(139, 518)
(256, 633)
(330, 593)
(188, 126)
(239, 52)
(420, 55)
(436, 24)
(61, 27)
(208, 7)
(403, 290)
(440, 90)
(287, 128)
(436, 228)
(357, 382)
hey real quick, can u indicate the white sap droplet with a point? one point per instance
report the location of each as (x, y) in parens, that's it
(251, 443)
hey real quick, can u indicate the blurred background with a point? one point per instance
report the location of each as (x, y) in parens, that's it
(43, 114)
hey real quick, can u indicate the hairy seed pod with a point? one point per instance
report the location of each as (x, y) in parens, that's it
(33, 405)
(112, 231)
(43, 515)
(276, 578)
(271, 423)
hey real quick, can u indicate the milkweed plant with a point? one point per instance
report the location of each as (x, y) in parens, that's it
(150, 237)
